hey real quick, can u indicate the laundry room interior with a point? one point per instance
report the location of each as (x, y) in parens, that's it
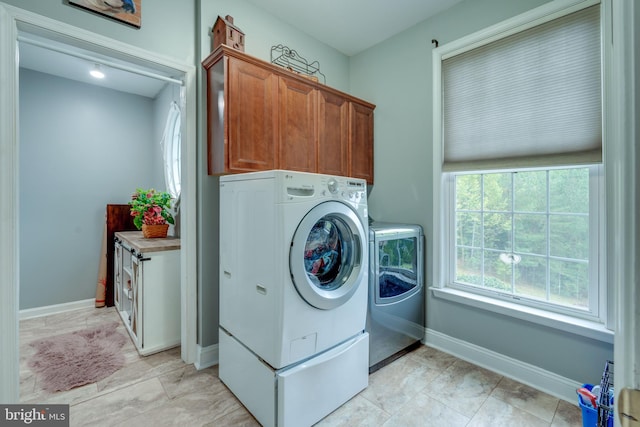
(332, 257)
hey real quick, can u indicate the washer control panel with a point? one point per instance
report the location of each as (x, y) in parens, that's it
(304, 186)
(332, 185)
(345, 188)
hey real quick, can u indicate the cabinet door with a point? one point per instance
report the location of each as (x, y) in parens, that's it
(298, 124)
(125, 287)
(136, 299)
(333, 133)
(250, 117)
(117, 275)
(361, 141)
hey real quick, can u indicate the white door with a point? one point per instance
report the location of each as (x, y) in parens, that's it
(326, 255)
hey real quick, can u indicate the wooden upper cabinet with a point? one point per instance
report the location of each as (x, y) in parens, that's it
(251, 124)
(261, 116)
(361, 141)
(333, 134)
(298, 126)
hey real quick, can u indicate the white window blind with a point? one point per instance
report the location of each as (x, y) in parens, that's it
(529, 99)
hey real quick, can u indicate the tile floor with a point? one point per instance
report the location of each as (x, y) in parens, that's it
(424, 388)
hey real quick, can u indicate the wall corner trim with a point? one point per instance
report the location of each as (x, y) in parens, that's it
(30, 313)
(540, 379)
(206, 356)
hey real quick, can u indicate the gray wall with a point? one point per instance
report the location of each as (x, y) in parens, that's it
(168, 26)
(81, 147)
(263, 30)
(403, 182)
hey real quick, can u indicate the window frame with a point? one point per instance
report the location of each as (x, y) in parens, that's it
(601, 329)
(172, 151)
(596, 212)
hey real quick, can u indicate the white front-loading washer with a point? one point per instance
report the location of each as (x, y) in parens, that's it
(293, 262)
(293, 291)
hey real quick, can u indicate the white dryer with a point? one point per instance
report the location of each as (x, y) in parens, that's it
(293, 292)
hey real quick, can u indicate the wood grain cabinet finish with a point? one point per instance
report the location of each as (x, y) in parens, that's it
(333, 134)
(261, 116)
(250, 118)
(361, 142)
(240, 118)
(297, 108)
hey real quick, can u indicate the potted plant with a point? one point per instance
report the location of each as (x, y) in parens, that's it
(150, 210)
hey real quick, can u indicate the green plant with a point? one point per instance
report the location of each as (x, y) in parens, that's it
(150, 207)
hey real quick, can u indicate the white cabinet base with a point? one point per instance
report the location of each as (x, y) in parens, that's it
(147, 290)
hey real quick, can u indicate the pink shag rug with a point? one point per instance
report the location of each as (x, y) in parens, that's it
(65, 361)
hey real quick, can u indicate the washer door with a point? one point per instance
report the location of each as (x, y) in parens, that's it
(326, 255)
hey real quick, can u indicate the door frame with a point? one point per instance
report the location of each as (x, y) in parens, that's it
(13, 20)
(623, 195)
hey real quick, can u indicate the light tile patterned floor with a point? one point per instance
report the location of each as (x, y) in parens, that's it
(424, 388)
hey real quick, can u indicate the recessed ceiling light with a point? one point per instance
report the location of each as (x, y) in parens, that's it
(97, 72)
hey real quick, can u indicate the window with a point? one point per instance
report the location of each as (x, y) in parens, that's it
(518, 170)
(171, 146)
(528, 236)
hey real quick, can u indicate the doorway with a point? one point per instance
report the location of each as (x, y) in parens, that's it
(17, 25)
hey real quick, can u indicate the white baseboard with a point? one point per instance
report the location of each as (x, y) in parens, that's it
(30, 313)
(540, 379)
(206, 356)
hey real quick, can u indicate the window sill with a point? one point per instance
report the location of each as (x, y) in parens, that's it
(561, 322)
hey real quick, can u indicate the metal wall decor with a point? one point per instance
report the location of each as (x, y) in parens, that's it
(291, 60)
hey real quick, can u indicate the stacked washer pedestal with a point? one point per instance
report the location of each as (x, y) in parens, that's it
(293, 293)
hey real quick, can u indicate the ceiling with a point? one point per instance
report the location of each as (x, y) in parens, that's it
(74, 63)
(349, 26)
(352, 26)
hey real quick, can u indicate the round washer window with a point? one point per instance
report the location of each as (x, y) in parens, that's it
(328, 255)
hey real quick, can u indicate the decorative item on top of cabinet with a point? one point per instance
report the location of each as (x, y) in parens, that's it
(292, 61)
(151, 213)
(261, 116)
(224, 32)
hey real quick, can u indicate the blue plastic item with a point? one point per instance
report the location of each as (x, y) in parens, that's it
(589, 413)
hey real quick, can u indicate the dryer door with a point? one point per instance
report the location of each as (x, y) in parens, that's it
(327, 253)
